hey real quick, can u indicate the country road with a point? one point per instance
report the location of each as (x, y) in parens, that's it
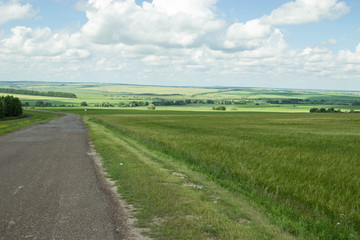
(50, 188)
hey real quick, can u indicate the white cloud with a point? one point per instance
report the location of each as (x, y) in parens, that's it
(247, 35)
(350, 57)
(41, 42)
(173, 40)
(305, 11)
(196, 8)
(12, 10)
(172, 23)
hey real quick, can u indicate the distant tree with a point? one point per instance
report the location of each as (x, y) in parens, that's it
(133, 104)
(2, 107)
(106, 104)
(323, 110)
(222, 108)
(151, 107)
(48, 104)
(83, 104)
(17, 107)
(122, 104)
(39, 104)
(10, 107)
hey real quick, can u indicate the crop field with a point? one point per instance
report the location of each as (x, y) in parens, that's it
(188, 98)
(301, 169)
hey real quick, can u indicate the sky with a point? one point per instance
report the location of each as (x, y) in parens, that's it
(303, 44)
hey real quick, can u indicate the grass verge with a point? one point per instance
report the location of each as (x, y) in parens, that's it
(171, 200)
(9, 125)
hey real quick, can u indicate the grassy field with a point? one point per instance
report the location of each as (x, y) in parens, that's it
(301, 169)
(36, 117)
(171, 200)
(253, 99)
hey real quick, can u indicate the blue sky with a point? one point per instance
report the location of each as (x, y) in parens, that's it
(282, 44)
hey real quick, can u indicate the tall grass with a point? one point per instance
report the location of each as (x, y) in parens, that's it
(308, 164)
(171, 200)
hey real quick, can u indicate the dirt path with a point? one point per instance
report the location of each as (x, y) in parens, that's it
(49, 187)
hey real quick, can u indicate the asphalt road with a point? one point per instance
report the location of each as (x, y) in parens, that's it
(50, 188)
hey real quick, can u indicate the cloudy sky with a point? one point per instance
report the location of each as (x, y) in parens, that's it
(312, 44)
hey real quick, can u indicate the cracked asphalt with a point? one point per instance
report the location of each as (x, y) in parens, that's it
(50, 187)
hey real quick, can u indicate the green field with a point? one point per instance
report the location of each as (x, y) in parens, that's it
(265, 168)
(199, 99)
(301, 169)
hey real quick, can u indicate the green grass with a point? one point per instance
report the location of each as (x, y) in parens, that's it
(302, 168)
(171, 200)
(36, 117)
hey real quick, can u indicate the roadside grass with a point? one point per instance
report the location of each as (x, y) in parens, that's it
(173, 201)
(303, 168)
(7, 126)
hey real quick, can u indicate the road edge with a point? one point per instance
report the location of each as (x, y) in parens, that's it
(123, 219)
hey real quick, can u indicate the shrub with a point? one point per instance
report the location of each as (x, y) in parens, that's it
(222, 108)
(151, 107)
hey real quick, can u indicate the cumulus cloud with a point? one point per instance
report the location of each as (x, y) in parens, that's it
(12, 10)
(247, 35)
(172, 23)
(305, 11)
(174, 38)
(42, 42)
(350, 57)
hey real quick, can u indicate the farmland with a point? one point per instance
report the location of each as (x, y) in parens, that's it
(186, 98)
(265, 168)
(301, 168)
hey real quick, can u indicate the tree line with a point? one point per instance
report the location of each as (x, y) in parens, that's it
(10, 107)
(324, 110)
(37, 93)
(164, 102)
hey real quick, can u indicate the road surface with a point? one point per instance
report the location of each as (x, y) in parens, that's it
(50, 188)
